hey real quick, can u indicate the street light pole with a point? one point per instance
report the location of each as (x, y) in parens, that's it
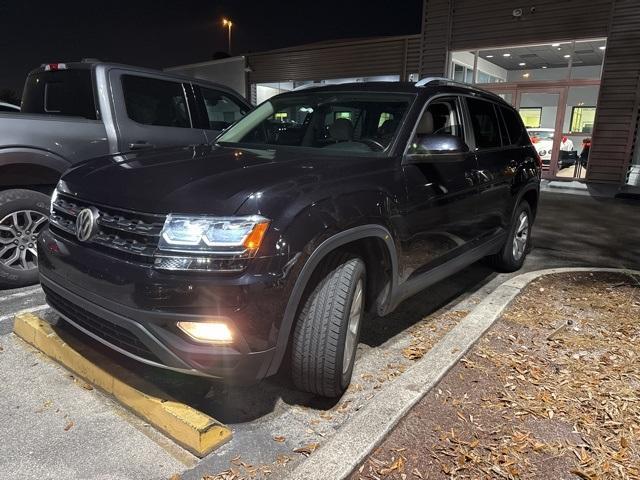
(228, 24)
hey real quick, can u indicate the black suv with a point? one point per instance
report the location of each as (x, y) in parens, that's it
(321, 206)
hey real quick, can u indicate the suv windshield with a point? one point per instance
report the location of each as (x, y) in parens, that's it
(348, 122)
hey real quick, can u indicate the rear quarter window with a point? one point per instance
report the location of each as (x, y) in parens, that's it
(514, 125)
(62, 92)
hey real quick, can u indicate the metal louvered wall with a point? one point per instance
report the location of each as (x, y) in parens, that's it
(617, 118)
(358, 58)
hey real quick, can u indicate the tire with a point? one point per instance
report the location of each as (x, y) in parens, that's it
(513, 254)
(323, 332)
(21, 211)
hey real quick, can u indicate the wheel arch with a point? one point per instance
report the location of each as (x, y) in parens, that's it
(369, 241)
(29, 168)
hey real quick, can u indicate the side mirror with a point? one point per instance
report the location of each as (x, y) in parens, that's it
(437, 148)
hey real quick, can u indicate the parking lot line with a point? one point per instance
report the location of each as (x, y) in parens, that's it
(197, 432)
(37, 308)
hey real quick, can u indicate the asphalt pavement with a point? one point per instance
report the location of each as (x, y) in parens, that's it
(570, 230)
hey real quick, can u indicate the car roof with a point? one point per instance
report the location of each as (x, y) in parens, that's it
(433, 87)
(90, 64)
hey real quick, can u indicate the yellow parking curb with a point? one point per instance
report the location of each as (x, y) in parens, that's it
(194, 430)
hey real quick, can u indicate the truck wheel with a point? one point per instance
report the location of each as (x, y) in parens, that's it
(512, 255)
(328, 327)
(23, 214)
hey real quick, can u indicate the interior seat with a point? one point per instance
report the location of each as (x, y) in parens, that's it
(341, 133)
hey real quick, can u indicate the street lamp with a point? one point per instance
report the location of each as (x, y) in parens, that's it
(229, 24)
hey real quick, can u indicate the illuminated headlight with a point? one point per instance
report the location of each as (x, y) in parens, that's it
(210, 332)
(212, 234)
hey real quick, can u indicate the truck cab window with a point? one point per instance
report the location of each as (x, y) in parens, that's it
(155, 102)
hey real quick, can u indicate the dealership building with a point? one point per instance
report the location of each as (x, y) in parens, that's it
(572, 69)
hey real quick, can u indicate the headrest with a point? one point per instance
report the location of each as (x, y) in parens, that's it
(388, 127)
(341, 130)
(425, 127)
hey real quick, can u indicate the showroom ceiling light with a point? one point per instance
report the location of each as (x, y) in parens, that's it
(489, 56)
(544, 66)
(603, 47)
(555, 44)
(526, 75)
(567, 56)
(506, 54)
(522, 64)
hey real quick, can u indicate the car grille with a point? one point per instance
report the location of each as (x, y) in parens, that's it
(112, 333)
(121, 232)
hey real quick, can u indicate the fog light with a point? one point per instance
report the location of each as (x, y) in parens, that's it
(214, 332)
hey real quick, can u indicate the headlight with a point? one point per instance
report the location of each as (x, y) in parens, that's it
(224, 235)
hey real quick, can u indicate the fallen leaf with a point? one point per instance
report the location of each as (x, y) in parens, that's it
(396, 466)
(279, 438)
(69, 425)
(307, 450)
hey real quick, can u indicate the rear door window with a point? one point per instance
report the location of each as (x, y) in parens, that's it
(151, 101)
(61, 92)
(222, 110)
(485, 123)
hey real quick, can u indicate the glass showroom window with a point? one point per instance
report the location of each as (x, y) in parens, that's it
(582, 119)
(531, 116)
(579, 59)
(463, 65)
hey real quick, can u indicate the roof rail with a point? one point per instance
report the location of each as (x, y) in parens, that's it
(308, 85)
(427, 80)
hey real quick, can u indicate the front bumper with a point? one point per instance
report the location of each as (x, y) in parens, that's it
(134, 309)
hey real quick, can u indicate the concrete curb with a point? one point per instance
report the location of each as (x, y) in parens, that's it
(194, 430)
(355, 440)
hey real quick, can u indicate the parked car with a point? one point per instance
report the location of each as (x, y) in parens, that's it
(275, 242)
(74, 111)
(542, 139)
(8, 107)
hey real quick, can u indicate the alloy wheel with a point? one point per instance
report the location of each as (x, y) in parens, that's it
(521, 236)
(18, 234)
(355, 314)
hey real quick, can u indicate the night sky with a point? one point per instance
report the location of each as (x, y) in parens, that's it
(165, 33)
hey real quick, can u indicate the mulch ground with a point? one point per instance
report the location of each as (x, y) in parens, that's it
(552, 391)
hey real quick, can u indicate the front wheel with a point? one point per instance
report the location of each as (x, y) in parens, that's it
(328, 327)
(512, 255)
(23, 215)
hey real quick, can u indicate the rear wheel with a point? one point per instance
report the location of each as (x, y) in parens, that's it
(512, 255)
(326, 335)
(23, 215)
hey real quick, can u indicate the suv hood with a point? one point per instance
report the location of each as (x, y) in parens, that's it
(192, 180)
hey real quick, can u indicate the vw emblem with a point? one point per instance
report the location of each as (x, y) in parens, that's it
(86, 223)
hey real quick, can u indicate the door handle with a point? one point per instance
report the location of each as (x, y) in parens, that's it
(140, 145)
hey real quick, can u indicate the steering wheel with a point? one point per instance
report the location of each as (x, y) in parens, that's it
(372, 144)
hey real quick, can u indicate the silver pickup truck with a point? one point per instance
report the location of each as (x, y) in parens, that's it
(75, 111)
